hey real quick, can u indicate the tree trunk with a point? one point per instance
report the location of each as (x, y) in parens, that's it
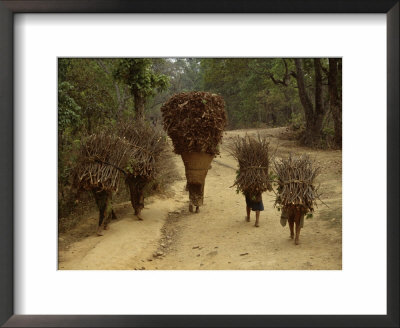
(334, 98)
(319, 106)
(314, 118)
(139, 105)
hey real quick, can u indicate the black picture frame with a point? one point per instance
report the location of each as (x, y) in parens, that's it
(10, 7)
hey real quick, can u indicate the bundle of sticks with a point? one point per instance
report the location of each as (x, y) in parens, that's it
(195, 121)
(100, 162)
(296, 178)
(148, 153)
(148, 145)
(253, 155)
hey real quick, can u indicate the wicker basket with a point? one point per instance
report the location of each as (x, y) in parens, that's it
(196, 167)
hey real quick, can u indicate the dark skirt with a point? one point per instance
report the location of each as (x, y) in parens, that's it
(254, 205)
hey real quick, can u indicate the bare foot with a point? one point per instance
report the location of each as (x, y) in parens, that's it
(106, 227)
(247, 218)
(296, 241)
(100, 231)
(291, 236)
(197, 209)
(139, 217)
(256, 225)
(191, 208)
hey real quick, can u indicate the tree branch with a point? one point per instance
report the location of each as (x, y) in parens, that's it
(286, 77)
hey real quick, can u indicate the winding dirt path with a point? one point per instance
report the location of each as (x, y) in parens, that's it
(218, 237)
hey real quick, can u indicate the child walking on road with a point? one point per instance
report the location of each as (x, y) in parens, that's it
(252, 178)
(255, 204)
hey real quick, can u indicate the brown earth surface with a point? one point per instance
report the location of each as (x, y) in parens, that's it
(171, 238)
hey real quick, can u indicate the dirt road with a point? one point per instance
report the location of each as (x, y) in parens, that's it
(218, 237)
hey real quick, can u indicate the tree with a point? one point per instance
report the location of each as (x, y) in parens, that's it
(122, 93)
(68, 109)
(335, 96)
(227, 77)
(141, 80)
(310, 83)
(250, 94)
(314, 113)
(191, 76)
(93, 92)
(276, 100)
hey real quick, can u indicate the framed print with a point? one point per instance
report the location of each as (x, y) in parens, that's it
(72, 62)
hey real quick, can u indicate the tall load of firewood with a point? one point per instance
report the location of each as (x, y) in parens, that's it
(297, 193)
(98, 170)
(195, 122)
(253, 156)
(296, 182)
(148, 155)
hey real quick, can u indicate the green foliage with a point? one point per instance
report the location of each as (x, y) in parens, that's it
(138, 75)
(93, 91)
(69, 112)
(64, 65)
(142, 77)
(251, 96)
(328, 131)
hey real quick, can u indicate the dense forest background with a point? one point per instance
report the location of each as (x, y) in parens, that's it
(97, 93)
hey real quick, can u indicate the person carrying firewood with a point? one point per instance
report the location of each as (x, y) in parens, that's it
(252, 177)
(195, 122)
(98, 170)
(254, 203)
(297, 193)
(147, 157)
